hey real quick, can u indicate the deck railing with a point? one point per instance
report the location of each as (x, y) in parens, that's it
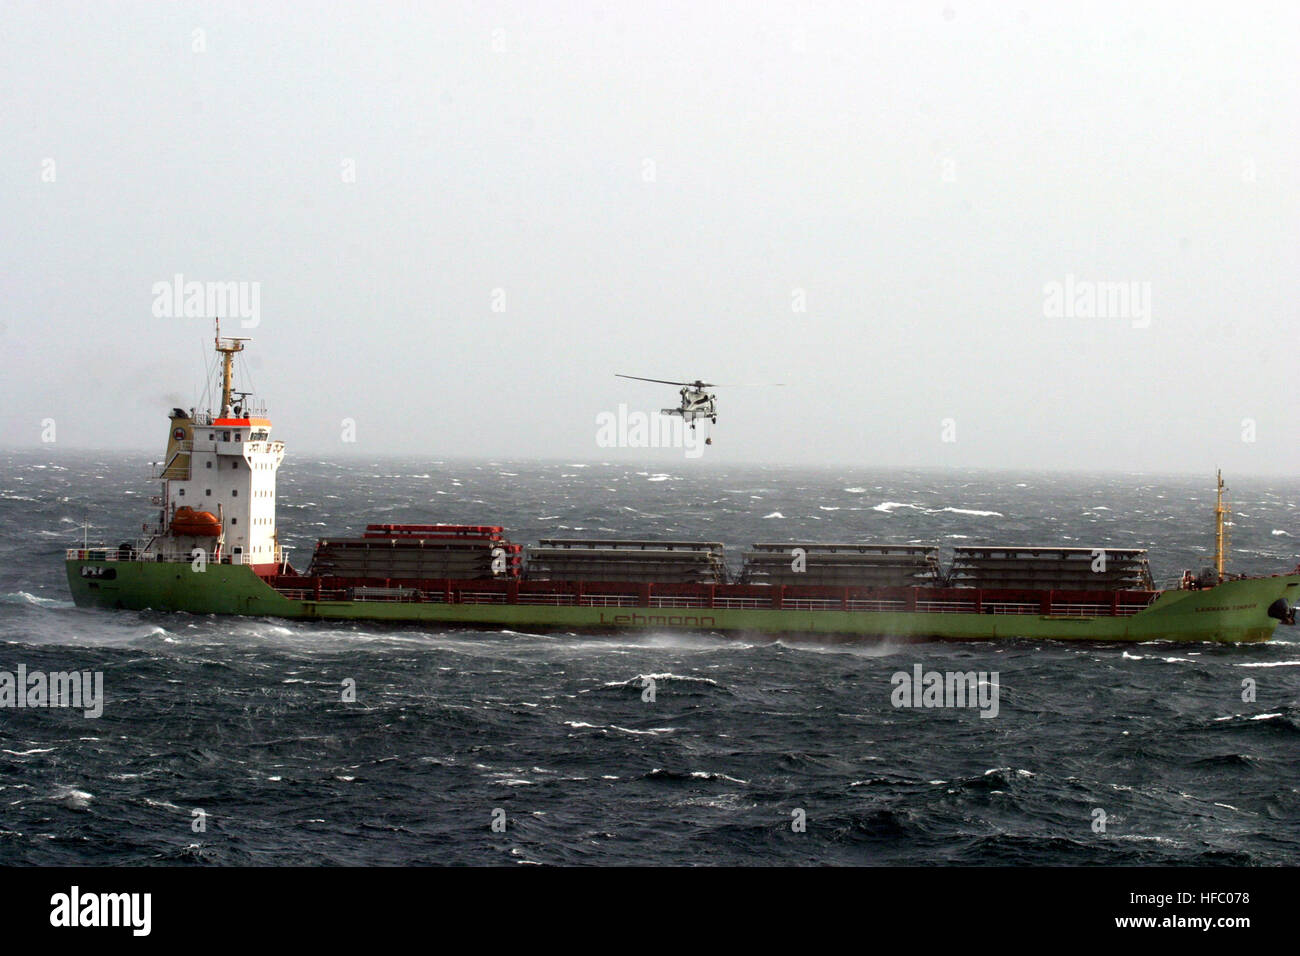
(1013, 607)
(886, 604)
(106, 553)
(608, 600)
(946, 607)
(568, 599)
(743, 603)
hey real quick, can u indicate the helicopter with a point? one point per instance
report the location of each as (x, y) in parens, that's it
(695, 401)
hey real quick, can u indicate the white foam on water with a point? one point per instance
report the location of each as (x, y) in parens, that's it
(667, 675)
(883, 648)
(708, 775)
(24, 597)
(652, 732)
(1271, 664)
(71, 798)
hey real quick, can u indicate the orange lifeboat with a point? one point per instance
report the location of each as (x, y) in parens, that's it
(199, 524)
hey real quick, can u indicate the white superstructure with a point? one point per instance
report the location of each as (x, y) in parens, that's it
(218, 481)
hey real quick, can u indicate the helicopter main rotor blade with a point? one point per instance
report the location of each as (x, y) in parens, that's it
(664, 381)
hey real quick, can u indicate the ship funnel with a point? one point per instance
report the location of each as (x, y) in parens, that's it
(179, 443)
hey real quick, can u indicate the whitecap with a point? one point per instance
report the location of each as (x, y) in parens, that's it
(1271, 664)
(653, 731)
(72, 798)
(24, 597)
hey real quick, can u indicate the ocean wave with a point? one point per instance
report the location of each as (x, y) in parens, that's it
(659, 773)
(71, 798)
(25, 597)
(662, 678)
(889, 507)
(1270, 664)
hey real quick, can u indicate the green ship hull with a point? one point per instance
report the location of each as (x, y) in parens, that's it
(1235, 611)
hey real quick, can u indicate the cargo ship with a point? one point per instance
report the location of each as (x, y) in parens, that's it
(213, 548)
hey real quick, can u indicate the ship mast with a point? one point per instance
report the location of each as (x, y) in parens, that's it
(1221, 512)
(227, 351)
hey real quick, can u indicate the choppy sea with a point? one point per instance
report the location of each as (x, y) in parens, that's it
(227, 741)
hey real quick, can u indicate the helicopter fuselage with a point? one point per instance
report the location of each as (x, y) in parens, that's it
(696, 400)
(695, 404)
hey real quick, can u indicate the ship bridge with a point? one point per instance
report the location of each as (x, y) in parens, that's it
(218, 480)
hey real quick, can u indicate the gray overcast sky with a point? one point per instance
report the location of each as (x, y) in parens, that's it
(657, 189)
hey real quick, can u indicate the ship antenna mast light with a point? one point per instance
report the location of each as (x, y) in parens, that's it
(1221, 524)
(227, 348)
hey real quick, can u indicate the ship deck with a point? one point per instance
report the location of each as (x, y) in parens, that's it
(922, 599)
